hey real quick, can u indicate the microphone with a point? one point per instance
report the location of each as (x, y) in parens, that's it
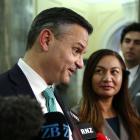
(55, 127)
(100, 136)
(73, 122)
(87, 131)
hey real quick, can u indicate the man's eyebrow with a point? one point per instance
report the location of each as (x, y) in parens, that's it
(136, 39)
(81, 45)
(128, 38)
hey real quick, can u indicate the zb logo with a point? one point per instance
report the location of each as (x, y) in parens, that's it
(53, 130)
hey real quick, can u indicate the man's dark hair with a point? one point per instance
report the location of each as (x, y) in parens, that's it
(52, 18)
(20, 118)
(135, 26)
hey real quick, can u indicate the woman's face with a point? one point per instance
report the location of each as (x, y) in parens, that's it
(107, 77)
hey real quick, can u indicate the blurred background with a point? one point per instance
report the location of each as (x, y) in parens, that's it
(108, 18)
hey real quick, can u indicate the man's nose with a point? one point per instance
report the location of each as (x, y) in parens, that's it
(80, 63)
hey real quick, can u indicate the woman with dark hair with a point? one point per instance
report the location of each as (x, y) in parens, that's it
(106, 103)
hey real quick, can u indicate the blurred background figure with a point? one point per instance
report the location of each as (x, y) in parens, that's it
(130, 46)
(106, 103)
(20, 118)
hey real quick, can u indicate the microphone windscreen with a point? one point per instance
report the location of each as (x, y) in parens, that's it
(87, 131)
(101, 136)
(55, 127)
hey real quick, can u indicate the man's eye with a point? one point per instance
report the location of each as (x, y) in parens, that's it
(137, 42)
(76, 51)
(127, 40)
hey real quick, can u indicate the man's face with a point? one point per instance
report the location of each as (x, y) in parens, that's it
(131, 48)
(66, 53)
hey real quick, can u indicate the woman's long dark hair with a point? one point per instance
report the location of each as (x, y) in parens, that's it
(90, 109)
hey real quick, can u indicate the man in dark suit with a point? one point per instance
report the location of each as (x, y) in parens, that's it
(56, 42)
(130, 46)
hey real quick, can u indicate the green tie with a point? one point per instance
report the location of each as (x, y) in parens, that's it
(50, 99)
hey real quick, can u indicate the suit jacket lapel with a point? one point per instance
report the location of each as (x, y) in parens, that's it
(20, 81)
(135, 87)
(123, 133)
(108, 131)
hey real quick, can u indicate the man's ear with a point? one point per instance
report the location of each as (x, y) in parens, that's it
(45, 38)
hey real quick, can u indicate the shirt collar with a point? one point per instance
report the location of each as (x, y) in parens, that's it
(36, 82)
(133, 71)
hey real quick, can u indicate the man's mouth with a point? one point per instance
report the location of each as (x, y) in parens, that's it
(129, 54)
(72, 71)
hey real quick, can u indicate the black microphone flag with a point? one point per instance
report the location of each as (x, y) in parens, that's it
(55, 127)
(87, 131)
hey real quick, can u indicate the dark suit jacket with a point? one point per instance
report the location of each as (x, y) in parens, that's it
(14, 82)
(108, 131)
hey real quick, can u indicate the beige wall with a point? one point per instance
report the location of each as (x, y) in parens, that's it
(106, 17)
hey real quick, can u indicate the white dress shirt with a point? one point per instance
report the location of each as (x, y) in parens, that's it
(38, 85)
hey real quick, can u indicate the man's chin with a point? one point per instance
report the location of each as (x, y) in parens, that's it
(66, 81)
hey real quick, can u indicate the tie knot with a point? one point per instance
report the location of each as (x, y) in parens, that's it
(49, 92)
(50, 99)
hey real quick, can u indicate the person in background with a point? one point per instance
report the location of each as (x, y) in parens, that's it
(130, 46)
(106, 103)
(20, 118)
(56, 42)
